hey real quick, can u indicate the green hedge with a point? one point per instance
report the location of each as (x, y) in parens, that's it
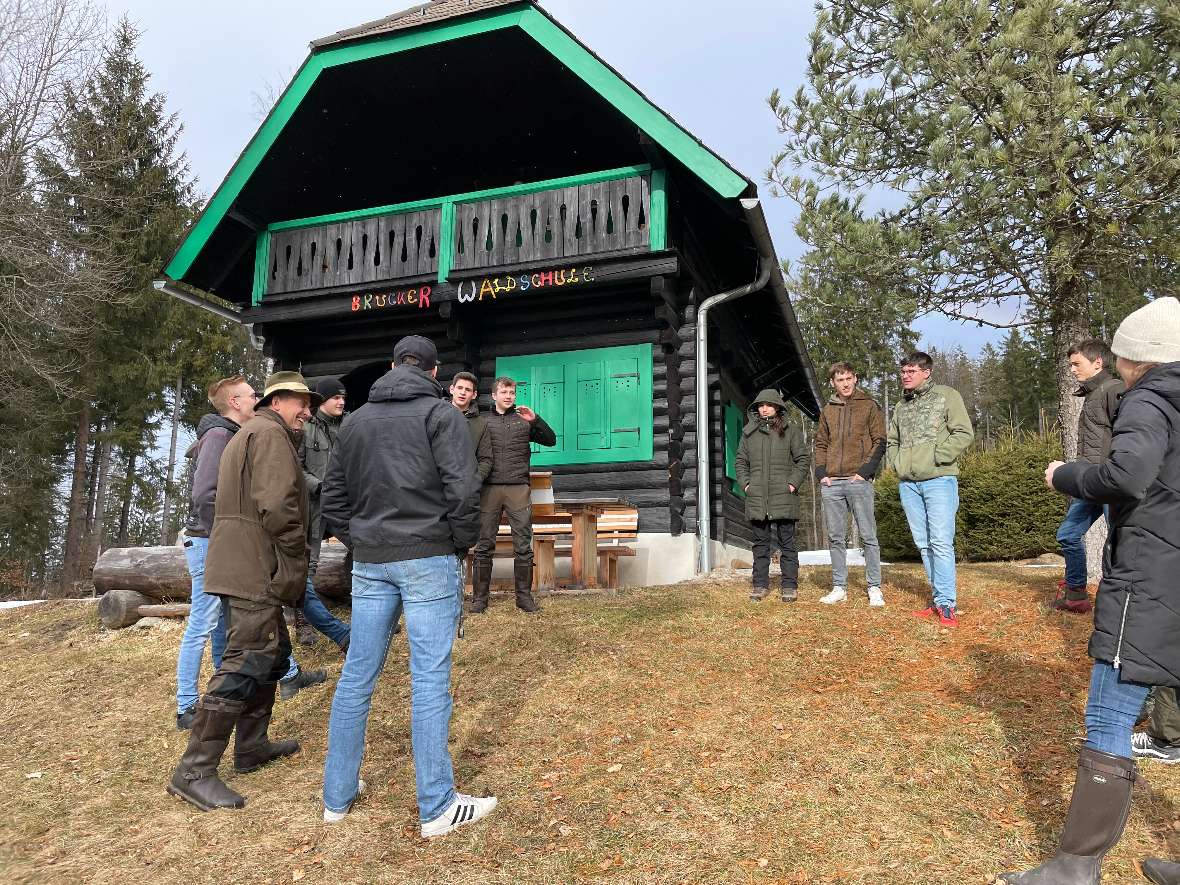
(1005, 510)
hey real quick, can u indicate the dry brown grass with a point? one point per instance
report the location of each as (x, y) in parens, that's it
(675, 734)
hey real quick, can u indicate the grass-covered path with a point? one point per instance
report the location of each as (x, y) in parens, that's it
(677, 734)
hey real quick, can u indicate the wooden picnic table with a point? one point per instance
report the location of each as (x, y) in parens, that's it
(583, 515)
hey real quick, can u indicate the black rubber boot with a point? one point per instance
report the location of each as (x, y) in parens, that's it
(301, 680)
(1097, 814)
(1161, 872)
(253, 748)
(195, 779)
(305, 633)
(481, 586)
(522, 574)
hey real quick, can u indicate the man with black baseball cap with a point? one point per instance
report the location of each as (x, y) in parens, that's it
(402, 492)
(319, 436)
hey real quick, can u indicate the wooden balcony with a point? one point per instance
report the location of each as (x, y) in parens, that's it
(620, 211)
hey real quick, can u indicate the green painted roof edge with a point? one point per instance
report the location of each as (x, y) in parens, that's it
(254, 153)
(550, 35)
(630, 102)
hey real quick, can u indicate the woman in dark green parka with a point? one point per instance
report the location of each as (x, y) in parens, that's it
(772, 462)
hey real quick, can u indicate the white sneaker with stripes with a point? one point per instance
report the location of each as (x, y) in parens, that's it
(464, 810)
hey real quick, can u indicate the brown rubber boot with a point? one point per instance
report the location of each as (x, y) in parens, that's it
(481, 586)
(195, 779)
(1072, 599)
(253, 748)
(522, 574)
(1097, 814)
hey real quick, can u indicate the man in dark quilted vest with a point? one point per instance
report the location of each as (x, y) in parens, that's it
(512, 430)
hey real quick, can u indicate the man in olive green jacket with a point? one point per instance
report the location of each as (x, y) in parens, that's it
(928, 433)
(772, 462)
(257, 564)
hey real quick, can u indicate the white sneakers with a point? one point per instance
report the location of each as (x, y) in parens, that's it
(334, 817)
(464, 810)
(839, 594)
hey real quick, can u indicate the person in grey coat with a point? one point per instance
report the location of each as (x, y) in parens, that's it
(1136, 638)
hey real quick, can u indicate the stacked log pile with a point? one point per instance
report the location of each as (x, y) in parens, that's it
(136, 581)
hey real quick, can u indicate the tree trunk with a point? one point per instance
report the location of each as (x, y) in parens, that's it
(98, 523)
(128, 494)
(92, 488)
(162, 574)
(76, 517)
(166, 535)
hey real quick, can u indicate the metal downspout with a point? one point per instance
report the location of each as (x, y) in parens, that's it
(704, 461)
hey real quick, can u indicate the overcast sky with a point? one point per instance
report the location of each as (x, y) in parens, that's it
(710, 66)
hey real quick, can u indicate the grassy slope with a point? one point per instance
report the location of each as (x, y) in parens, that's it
(668, 735)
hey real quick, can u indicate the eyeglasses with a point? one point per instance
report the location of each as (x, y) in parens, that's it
(913, 371)
(252, 394)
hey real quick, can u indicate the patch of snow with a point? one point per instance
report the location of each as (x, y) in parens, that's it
(17, 603)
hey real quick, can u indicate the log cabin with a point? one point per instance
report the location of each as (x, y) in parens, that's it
(468, 170)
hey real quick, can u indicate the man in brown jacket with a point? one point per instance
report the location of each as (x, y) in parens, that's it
(258, 558)
(849, 445)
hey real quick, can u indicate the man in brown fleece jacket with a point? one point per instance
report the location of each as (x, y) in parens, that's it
(849, 445)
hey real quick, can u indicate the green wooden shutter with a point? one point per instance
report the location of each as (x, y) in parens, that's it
(625, 418)
(598, 402)
(549, 402)
(733, 438)
(590, 405)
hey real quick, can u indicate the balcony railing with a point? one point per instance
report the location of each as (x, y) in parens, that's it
(616, 211)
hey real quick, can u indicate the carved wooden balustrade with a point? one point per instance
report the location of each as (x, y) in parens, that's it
(610, 212)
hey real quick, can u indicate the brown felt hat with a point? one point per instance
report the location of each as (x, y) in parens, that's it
(291, 382)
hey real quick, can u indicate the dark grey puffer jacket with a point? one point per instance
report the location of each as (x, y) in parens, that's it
(401, 481)
(1137, 618)
(1101, 402)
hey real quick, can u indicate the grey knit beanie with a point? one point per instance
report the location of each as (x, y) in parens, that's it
(1151, 334)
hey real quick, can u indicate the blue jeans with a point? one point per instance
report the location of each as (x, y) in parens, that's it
(840, 498)
(204, 624)
(1071, 538)
(1111, 710)
(430, 593)
(318, 616)
(930, 507)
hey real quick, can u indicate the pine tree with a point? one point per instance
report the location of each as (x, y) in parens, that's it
(1032, 150)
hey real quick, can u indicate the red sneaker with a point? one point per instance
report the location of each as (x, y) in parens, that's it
(947, 617)
(928, 612)
(1062, 603)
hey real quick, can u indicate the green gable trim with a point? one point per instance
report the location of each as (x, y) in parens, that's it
(706, 165)
(293, 96)
(622, 96)
(598, 402)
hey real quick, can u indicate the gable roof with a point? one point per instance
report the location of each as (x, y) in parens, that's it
(438, 23)
(414, 17)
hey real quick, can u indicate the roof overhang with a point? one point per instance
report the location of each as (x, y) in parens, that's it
(713, 171)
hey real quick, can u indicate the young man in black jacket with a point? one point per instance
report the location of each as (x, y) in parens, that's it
(512, 429)
(1088, 363)
(402, 493)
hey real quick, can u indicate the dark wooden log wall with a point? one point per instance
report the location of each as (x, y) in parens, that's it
(600, 318)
